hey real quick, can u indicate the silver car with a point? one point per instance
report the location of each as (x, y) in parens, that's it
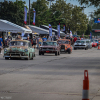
(88, 41)
(80, 44)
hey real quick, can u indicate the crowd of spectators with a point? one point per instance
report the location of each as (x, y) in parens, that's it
(35, 41)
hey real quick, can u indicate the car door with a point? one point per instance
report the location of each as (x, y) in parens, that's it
(31, 49)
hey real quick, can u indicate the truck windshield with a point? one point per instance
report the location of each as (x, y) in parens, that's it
(49, 43)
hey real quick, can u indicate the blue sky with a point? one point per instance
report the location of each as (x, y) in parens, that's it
(87, 10)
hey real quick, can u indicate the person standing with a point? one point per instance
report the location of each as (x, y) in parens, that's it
(34, 42)
(1, 44)
(75, 39)
(40, 41)
(44, 38)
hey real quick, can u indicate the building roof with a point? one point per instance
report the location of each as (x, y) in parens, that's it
(7, 26)
(38, 29)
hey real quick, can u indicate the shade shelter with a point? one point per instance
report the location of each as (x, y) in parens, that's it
(6, 26)
(39, 30)
(53, 30)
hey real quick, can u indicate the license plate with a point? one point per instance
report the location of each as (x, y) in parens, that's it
(62, 50)
(47, 51)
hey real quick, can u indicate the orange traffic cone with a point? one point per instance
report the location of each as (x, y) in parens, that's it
(85, 86)
(99, 45)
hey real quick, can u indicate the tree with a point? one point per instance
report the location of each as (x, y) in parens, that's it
(70, 15)
(95, 3)
(88, 30)
(78, 20)
(12, 11)
(42, 12)
(65, 11)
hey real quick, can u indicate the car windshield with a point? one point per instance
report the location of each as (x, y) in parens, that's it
(18, 43)
(49, 43)
(96, 40)
(80, 41)
(87, 41)
(63, 42)
(92, 40)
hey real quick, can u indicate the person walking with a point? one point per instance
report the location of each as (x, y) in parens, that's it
(40, 41)
(1, 44)
(34, 42)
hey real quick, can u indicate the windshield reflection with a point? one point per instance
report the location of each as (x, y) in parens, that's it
(18, 43)
(49, 43)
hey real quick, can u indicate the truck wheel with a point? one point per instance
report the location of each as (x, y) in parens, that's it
(56, 53)
(69, 51)
(59, 53)
(39, 53)
(6, 58)
(43, 53)
(32, 57)
(86, 48)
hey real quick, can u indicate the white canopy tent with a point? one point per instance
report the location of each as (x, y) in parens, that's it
(6, 26)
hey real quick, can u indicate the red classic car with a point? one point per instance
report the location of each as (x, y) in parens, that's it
(65, 45)
(94, 44)
(49, 47)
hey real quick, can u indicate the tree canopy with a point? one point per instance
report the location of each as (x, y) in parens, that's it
(60, 12)
(95, 3)
(12, 11)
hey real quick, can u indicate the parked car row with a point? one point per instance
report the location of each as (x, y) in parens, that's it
(61, 45)
(23, 48)
(85, 44)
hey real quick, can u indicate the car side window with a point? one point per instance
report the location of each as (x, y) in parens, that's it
(30, 45)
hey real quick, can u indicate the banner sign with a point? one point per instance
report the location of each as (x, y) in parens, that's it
(58, 28)
(50, 30)
(71, 34)
(34, 12)
(25, 15)
(96, 20)
(64, 28)
(90, 35)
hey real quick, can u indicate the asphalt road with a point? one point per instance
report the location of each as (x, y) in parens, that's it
(50, 77)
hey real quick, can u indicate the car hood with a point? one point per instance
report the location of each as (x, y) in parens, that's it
(79, 43)
(16, 48)
(64, 44)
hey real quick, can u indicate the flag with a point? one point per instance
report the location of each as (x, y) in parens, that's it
(90, 35)
(25, 15)
(64, 28)
(58, 28)
(71, 34)
(50, 30)
(34, 12)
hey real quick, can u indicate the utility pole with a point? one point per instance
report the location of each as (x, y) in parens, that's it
(91, 18)
(29, 12)
(83, 8)
(50, 2)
